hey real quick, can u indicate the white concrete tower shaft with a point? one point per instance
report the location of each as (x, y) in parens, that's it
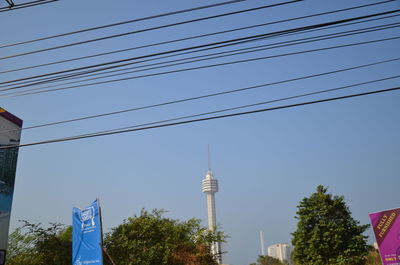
(210, 187)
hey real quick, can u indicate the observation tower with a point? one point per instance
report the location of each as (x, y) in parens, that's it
(210, 187)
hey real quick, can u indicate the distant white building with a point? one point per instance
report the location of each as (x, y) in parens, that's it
(280, 251)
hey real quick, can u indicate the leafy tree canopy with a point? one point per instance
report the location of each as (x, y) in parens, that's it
(150, 239)
(373, 257)
(33, 244)
(147, 239)
(267, 260)
(326, 232)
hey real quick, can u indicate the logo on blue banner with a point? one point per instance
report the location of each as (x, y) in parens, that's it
(86, 236)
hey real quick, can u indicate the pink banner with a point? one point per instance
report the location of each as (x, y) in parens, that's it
(386, 225)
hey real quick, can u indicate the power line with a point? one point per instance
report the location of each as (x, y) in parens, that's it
(28, 4)
(206, 57)
(77, 74)
(206, 119)
(42, 90)
(245, 50)
(250, 49)
(173, 51)
(206, 96)
(207, 35)
(149, 29)
(252, 37)
(10, 3)
(251, 105)
(123, 22)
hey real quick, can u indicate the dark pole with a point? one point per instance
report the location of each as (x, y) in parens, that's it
(101, 229)
(108, 255)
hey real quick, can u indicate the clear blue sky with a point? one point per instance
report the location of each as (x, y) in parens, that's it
(265, 163)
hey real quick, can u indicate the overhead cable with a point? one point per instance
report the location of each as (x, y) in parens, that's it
(205, 96)
(148, 29)
(43, 90)
(206, 35)
(206, 119)
(249, 105)
(243, 89)
(123, 22)
(27, 4)
(276, 33)
(211, 56)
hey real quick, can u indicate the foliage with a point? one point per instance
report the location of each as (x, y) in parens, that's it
(293, 261)
(150, 239)
(32, 244)
(373, 257)
(19, 247)
(326, 233)
(146, 239)
(267, 260)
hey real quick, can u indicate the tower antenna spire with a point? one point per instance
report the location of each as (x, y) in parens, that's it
(209, 157)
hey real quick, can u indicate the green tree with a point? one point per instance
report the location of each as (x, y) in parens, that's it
(147, 239)
(373, 257)
(150, 239)
(326, 233)
(267, 260)
(20, 248)
(293, 261)
(33, 244)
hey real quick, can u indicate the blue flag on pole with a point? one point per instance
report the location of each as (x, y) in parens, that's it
(87, 235)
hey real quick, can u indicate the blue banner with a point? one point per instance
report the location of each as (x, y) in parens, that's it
(87, 236)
